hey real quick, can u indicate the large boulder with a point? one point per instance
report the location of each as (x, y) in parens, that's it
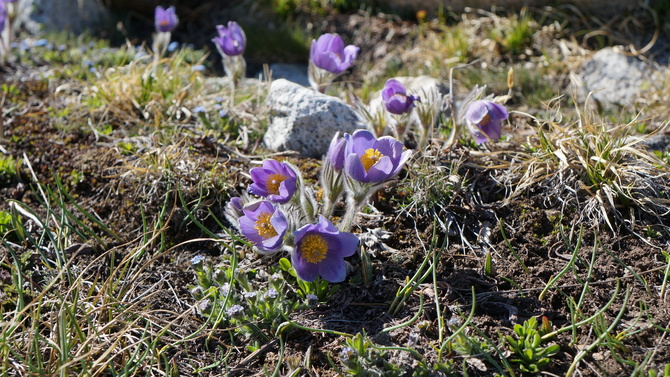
(304, 120)
(614, 79)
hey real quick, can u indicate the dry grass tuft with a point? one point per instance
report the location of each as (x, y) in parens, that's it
(601, 170)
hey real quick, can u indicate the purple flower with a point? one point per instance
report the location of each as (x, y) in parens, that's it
(320, 250)
(237, 204)
(165, 19)
(328, 53)
(231, 40)
(484, 119)
(396, 99)
(264, 225)
(336, 152)
(275, 181)
(3, 15)
(371, 160)
(235, 311)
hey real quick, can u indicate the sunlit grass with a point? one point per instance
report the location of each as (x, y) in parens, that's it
(601, 170)
(152, 91)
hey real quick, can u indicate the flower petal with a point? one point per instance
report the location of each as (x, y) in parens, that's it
(351, 53)
(406, 155)
(354, 168)
(279, 222)
(380, 171)
(476, 112)
(329, 61)
(270, 244)
(389, 146)
(344, 244)
(305, 270)
(392, 87)
(331, 42)
(498, 111)
(247, 227)
(359, 142)
(332, 269)
(492, 129)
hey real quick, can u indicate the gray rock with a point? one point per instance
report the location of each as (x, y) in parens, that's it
(304, 120)
(658, 142)
(296, 73)
(71, 15)
(613, 78)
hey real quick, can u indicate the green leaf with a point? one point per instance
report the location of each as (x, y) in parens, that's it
(552, 350)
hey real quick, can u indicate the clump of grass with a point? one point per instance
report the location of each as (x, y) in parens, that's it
(601, 170)
(431, 188)
(154, 91)
(9, 168)
(515, 34)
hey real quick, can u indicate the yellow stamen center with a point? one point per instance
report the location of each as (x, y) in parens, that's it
(273, 183)
(370, 157)
(314, 248)
(164, 22)
(264, 226)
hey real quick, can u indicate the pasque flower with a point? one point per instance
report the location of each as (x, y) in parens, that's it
(231, 40)
(396, 99)
(166, 19)
(484, 120)
(371, 160)
(3, 15)
(320, 250)
(275, 181)
(336, 152)
(328, 53)
(264, 225)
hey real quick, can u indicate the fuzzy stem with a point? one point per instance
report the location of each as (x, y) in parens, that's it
(354, 203)
(332, 196)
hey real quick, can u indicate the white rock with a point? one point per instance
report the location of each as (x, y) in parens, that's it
(304, 120)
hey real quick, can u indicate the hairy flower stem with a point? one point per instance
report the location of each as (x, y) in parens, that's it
(401, 124)
(235, 67)
(331, 197)
(354, 203)
(319, 79)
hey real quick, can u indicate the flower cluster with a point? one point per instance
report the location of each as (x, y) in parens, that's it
(402, 110)
(287, 217)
